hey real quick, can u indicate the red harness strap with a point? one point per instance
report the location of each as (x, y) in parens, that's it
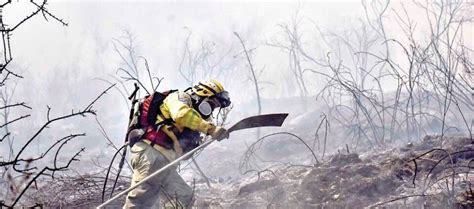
(158, 137)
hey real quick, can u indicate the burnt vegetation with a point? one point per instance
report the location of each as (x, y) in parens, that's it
(24, 174)
(393, 129)
(379, 91)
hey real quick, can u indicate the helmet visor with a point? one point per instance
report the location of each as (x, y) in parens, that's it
(223, 98)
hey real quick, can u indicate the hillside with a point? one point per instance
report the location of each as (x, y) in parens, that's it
(350, 180)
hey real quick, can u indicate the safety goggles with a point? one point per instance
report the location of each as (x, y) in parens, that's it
(223, 98)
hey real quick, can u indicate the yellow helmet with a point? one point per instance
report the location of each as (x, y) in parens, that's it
(212, 88)
(208, 88)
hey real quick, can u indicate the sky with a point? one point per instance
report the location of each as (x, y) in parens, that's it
(85, 46)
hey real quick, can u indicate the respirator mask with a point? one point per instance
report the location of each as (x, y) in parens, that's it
(206, 106)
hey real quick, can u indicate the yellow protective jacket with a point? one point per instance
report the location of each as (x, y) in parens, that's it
(178, 107)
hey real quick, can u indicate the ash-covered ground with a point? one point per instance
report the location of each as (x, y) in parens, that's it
(281, 172)
(412, 176)
(416, 175)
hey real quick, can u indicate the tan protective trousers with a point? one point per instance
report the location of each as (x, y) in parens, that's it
(145, 160)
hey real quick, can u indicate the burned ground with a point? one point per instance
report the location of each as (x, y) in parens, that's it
(384, 179)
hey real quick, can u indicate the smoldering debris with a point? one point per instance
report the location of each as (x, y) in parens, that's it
(413, 176)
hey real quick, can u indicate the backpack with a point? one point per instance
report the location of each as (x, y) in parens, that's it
(144, 113)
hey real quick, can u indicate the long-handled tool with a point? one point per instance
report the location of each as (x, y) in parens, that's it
(133, 99)
(251, 122)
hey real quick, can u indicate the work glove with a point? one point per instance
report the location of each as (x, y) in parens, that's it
(218, 133)
(177, 148)
(135, 136)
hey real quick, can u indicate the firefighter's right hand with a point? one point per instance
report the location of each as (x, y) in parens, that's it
(177, 148)
(218, 133)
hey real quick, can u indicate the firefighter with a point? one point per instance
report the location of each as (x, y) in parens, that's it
(184, 115)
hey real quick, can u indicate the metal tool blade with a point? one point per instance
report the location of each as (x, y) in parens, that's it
(259, 121)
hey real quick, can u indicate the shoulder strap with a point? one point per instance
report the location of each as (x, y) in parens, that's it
(154, 110)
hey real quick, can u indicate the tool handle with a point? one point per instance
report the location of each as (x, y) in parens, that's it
(134, 93)
(156, 173)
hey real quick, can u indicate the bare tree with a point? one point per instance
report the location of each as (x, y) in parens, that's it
(126, 49)
(253, 72)
(22, 170)
(204, 61)
(291, 44)
(428, 83)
